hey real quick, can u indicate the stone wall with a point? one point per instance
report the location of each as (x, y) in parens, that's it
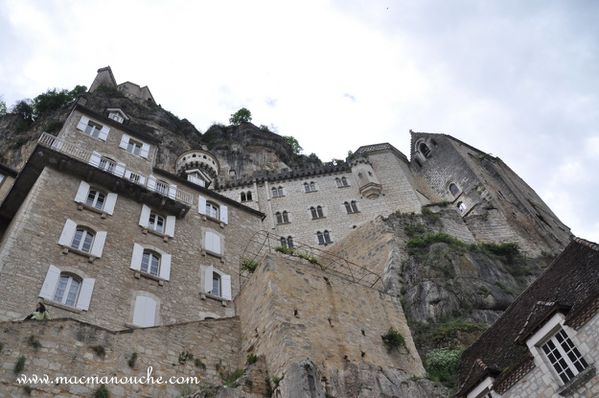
(30, 246)
(542, 380)
(66, 347)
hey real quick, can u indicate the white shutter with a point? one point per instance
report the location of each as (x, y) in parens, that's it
(224, 214)
(68, 232)
(85, 294)
(119, 169)
(138, 252)
(142, 180)
(98, 245)
(151, 183)
(201, 205)
(145, 150)
(170, 226)
(144, 217)
(110, 203)
(144, 313)
(94, 159)
(82, 192)
(49, 286)
(225, 282)
(124, 141)
(128, 174)
(104, 133)
(82, 123)
(165, 266)
(212, 242)
(172, 191)
(207, 275)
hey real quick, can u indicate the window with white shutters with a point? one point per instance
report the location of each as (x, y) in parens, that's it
(157, 223)
(134, 146)
(145, 311)
(95, 198)
(213, 243)
(151, 262)
(216, 283)
(67, 288)
(82, 239)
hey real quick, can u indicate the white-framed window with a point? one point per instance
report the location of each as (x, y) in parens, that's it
(67, 288)
(564, 357)
(282, 217)
(316, 212)
(107, 164)
(145, 310)
(134, 146)
(162, 187)
(151, 261)
(216, 282)
(213, 243)
(96, 198)
(156, 222)
(93, 128)
(461, 207)
(213, 210)
(117, 115)
(82, 239)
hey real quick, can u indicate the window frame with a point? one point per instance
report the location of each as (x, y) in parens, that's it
(66, 291)
(85, 234)
(134, 146)
(150, 255)
(212, 210)
(94, 202)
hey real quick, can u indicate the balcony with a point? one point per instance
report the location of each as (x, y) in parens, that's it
(116, 168)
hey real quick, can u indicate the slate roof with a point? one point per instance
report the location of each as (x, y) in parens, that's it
(569, 285)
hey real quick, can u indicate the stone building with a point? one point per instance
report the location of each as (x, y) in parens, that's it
(546, 344)
(141, 245)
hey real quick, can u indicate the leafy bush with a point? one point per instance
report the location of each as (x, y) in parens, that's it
(99, 350)
(199, 364)
(442, 365)
(393, 340)
(230, 378)
(414, 230)
(508, 250)
(424, 241)
(132, 359)
(251, 359)
(19, 365)
(241, 116)
(34, 342)
(285, 250)
(249, 265)
(184, 356)
(102, 392)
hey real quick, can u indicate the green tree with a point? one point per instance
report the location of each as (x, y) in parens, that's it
(54, 99)
(24, 109)
(295, 146)
(241, 116)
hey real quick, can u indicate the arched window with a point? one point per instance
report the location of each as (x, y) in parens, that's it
(275, 193)
(313, 212)
(283, 241)
(290, 242)
(327, 237)
(347, 207)
(67, 289)
(212, 210)
(216, 284)
(279, 217)
(248, 196)
(338, 181)
(461, 207)
(95, 198)
(424, 150)
(354, 206)
(312, 187)
(280, 191)
(150, 262)
(285, 217)
(319, 211)
(453, 189)
(83, 239)
(156, 222)
(243, 197)
(320, 238)
(306, 187)
(344, 182)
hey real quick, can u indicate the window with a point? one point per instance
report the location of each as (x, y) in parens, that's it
(145, 310)
(162, 187)
(151, 261)
(309, 187)
(341, 182)
(282, 218)
(461, 207)
(290, 242)
(327, 237)
(351, 207)
(243, 197)
(216, 283)
(424, 149)
(320, 238)
(246, 196)
(82, 239)
(107, 164)
(95, 199)
(564, 356)
(67, 288)
(93, 129)
(213, 243)
(134, 146)
(213, 210)
(454, 190)
(316, 212)
(324, 238)
(116, 117)
(277, 192)
(156, 222)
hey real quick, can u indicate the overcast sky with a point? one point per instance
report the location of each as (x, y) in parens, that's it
(518, 79)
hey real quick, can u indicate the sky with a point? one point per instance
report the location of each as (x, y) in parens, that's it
(517, 79)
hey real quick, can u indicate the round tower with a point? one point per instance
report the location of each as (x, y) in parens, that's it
(198, 166)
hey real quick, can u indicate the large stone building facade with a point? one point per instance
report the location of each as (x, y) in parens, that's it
(118, 229)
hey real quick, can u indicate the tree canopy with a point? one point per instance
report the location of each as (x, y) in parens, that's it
(241, 116)
(294, 144)
(54, 99)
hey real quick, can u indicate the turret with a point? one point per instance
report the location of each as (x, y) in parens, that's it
(198, 166)
(368, 183)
